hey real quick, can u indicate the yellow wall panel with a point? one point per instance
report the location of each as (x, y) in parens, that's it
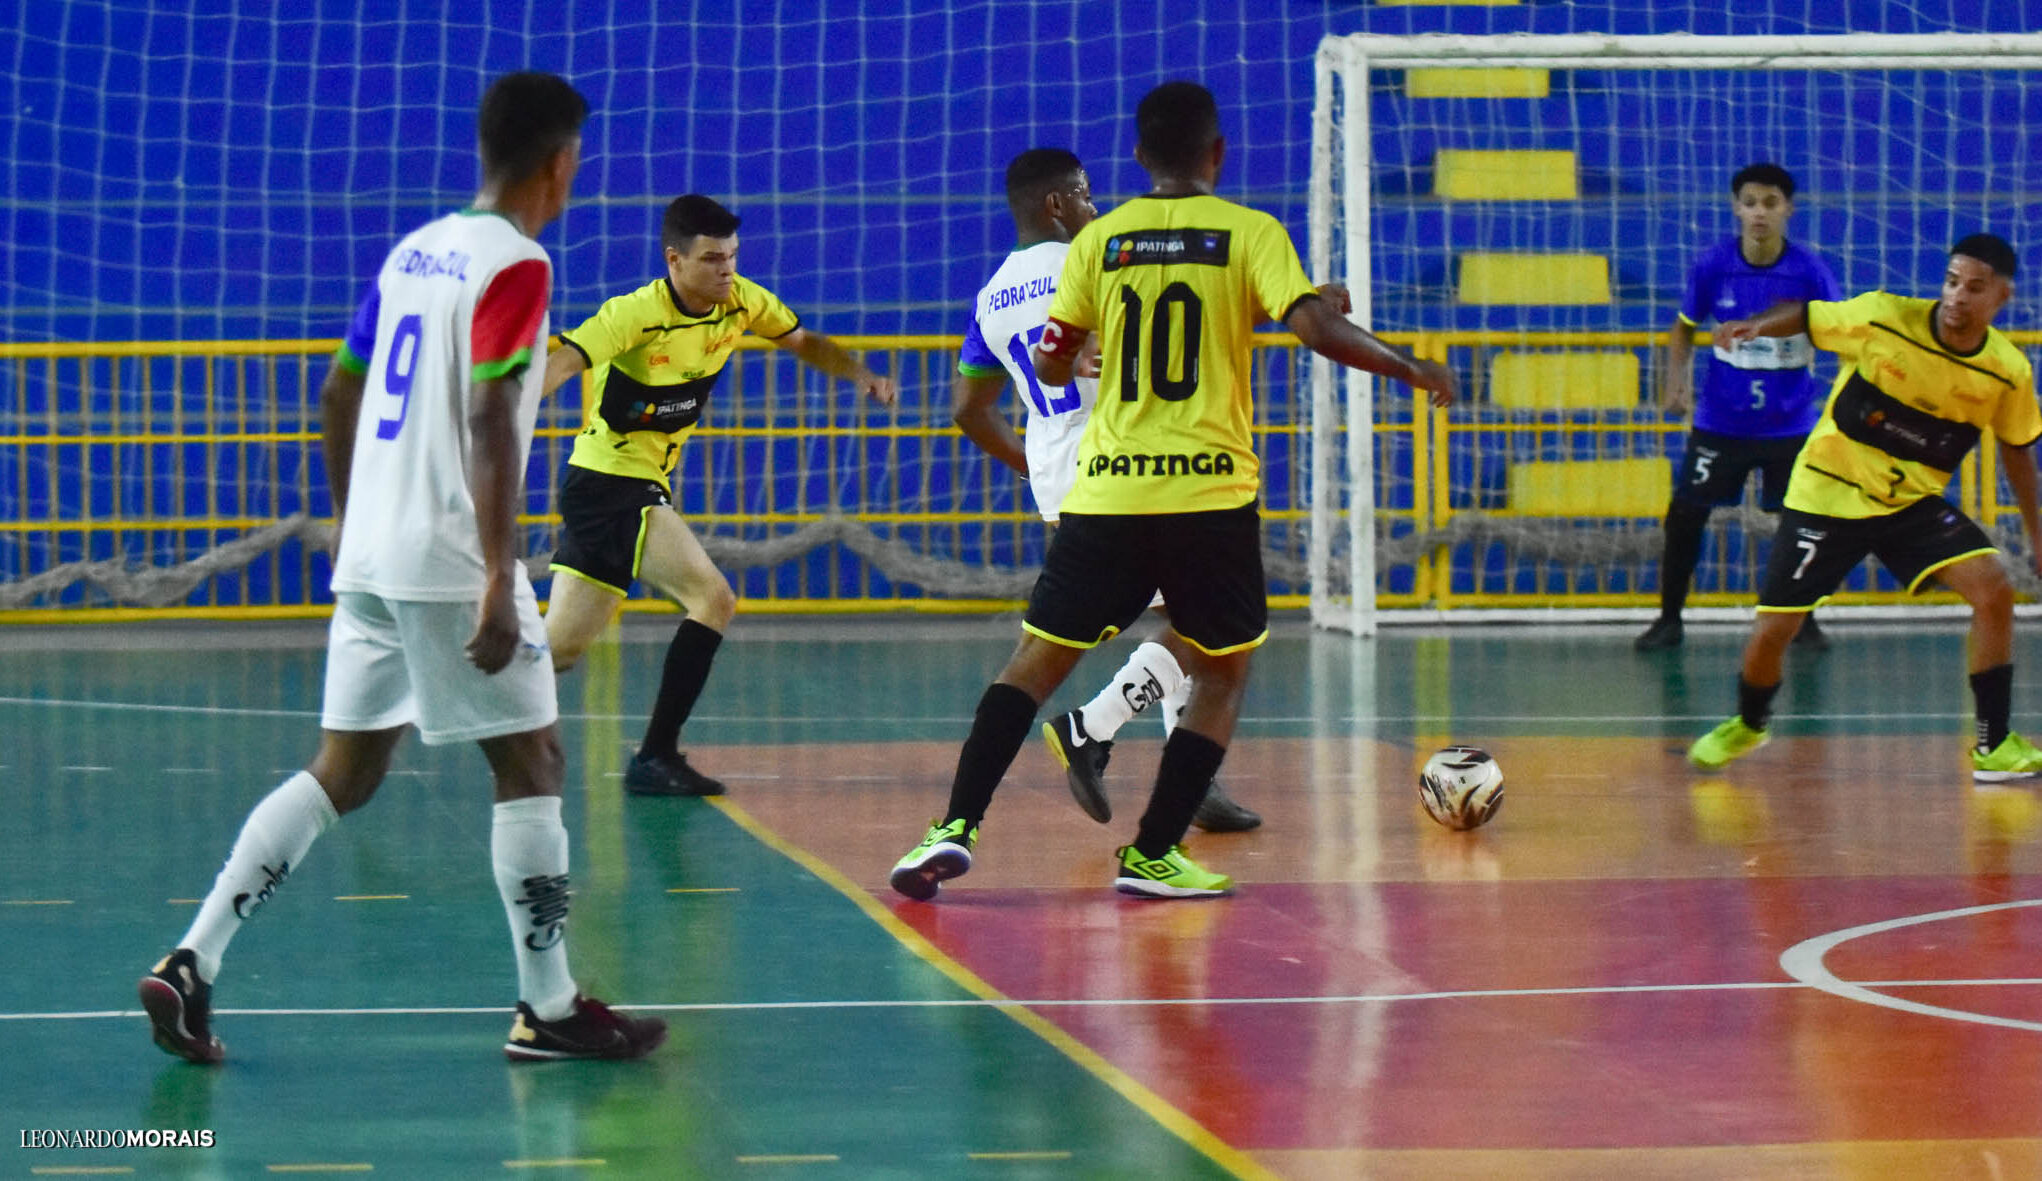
(1534, 278)
(1564, 380)
(1592, 488)
(1491, 82)
(1505, 176)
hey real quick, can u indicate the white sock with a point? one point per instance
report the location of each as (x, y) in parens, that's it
(528, 847)
(1149, 675)
(1173, 706)
(273, 840)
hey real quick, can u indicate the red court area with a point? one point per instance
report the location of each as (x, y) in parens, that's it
(1592, 986)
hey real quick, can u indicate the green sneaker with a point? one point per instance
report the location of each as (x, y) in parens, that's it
(1731, 740)
(1173, 875)
(944, 853)
(2014, 758)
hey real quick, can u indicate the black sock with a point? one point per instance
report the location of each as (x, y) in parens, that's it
(1993, 693)
(1682, 552)
(1190, 761)
(998, 729)
(680, 683)
(1755, 703)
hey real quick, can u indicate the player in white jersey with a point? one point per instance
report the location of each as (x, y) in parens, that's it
(1050, 198)
(428, 414)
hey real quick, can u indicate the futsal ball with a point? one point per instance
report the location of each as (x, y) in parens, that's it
(1461, 787)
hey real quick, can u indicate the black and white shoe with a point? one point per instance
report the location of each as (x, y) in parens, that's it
(1083, 759)
(592, 1030)
(180, 1008)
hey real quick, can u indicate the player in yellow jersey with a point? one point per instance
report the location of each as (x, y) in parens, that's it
(1922, 381)
(654, 356)
(1166, 491)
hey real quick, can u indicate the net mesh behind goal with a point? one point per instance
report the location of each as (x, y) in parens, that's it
(1532, 205)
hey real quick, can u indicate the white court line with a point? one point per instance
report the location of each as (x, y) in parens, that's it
(1803, 962)
(1460, 720)
(1066, 1003)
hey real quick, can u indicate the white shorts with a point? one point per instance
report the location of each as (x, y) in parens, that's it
(392, 662)
(1052, 448)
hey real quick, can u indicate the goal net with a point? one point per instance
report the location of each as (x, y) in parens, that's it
(1527, 207)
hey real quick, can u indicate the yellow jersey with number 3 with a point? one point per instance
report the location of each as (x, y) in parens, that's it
(1906, 409)
(1173, 286)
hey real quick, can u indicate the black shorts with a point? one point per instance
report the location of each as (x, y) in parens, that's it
(1713, 471)
(1102, 571)
(1812, 553)
(602, 525)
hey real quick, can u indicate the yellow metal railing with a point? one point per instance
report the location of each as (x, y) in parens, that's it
(171, 448)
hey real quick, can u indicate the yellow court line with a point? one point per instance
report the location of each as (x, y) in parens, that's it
(1017, 1156)
(565, 1162)
(818, 1158)
(80, 1170)
(348, 1167)
(1155, 1106)
(702, 890)
(37, 902)
(370, 897)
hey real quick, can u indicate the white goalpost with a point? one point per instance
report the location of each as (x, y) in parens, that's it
(1531, 203)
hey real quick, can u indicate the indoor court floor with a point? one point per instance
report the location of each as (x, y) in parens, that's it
(1824, 963)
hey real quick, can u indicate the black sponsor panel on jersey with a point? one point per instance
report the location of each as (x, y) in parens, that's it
(1167, 247)
(1868, 415)
(631, 405)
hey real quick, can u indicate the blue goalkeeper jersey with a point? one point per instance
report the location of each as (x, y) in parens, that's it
(1764, 388)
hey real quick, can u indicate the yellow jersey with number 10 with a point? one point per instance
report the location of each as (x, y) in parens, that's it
(1173, 286)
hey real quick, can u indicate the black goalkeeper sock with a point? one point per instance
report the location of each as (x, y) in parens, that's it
(1682, 553)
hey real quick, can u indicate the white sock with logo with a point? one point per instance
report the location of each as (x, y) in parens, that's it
(1173, 706)
(528, 847)
(1150, 675)
(273, 841)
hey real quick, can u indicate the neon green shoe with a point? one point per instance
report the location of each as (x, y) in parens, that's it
(1731, 740)
(1173, 875)
(945, 852)
(2014, 758)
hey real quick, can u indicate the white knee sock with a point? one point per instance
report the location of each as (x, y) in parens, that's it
(528, 847)
(1149, 675)
(273, 840)
(1173, 706)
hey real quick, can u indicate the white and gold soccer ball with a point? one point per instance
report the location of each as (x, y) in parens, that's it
(1461, 787)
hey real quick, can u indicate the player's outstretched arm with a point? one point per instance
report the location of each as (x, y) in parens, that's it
(495, 481)
(974, 407)
(563, 363)
(820, 352)
(340, 408)
(1319, 324)
(2019, 465)
(1781, 319)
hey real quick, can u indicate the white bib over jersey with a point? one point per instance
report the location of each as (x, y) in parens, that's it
(1007, 319)
(410, 531)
